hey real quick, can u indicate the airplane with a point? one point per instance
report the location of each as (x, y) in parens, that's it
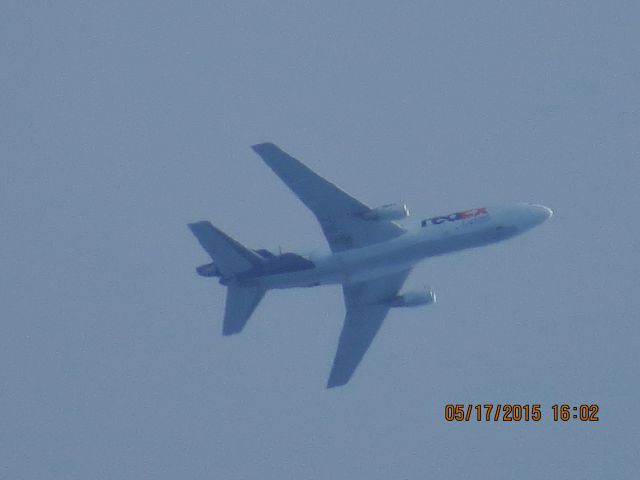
(371, 255)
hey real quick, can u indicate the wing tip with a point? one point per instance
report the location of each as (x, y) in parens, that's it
(331, 384)
(193, 226)
(228, 331)
(337, 380)
(264, 147)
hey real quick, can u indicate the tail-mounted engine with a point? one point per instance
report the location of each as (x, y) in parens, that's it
(391, 211)
(414, 299)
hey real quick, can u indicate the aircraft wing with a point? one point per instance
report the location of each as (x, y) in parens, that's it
(339, 214)
(367, 306)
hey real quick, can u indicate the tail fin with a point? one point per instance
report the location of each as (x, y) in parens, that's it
(241, 302)
(230, 257)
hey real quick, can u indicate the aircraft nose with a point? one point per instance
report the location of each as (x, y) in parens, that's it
(540, 213)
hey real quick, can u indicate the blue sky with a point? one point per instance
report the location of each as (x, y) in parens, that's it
(122, 123)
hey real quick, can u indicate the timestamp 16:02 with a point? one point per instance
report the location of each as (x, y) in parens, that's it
(507, 412)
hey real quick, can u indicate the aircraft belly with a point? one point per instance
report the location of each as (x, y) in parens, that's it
(377, 260)
(302, 279)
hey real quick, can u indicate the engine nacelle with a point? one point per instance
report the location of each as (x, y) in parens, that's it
(414, 299)
(208, 270)
(391, 211)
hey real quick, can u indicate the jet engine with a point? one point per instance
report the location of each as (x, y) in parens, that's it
(414, 299)
(391, 211)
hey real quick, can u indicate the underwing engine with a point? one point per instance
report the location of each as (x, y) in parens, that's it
(414, 299)
(391, 211)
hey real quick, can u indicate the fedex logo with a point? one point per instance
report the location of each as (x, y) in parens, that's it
(475, 212)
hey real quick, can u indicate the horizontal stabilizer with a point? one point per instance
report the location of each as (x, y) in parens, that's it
(230, 257)
(240, 304)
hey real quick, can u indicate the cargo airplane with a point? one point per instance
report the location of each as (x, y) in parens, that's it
(371, 255)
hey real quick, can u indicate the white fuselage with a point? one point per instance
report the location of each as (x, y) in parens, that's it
(431, 237)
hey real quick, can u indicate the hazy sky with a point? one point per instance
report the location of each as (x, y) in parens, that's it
(123, 122)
